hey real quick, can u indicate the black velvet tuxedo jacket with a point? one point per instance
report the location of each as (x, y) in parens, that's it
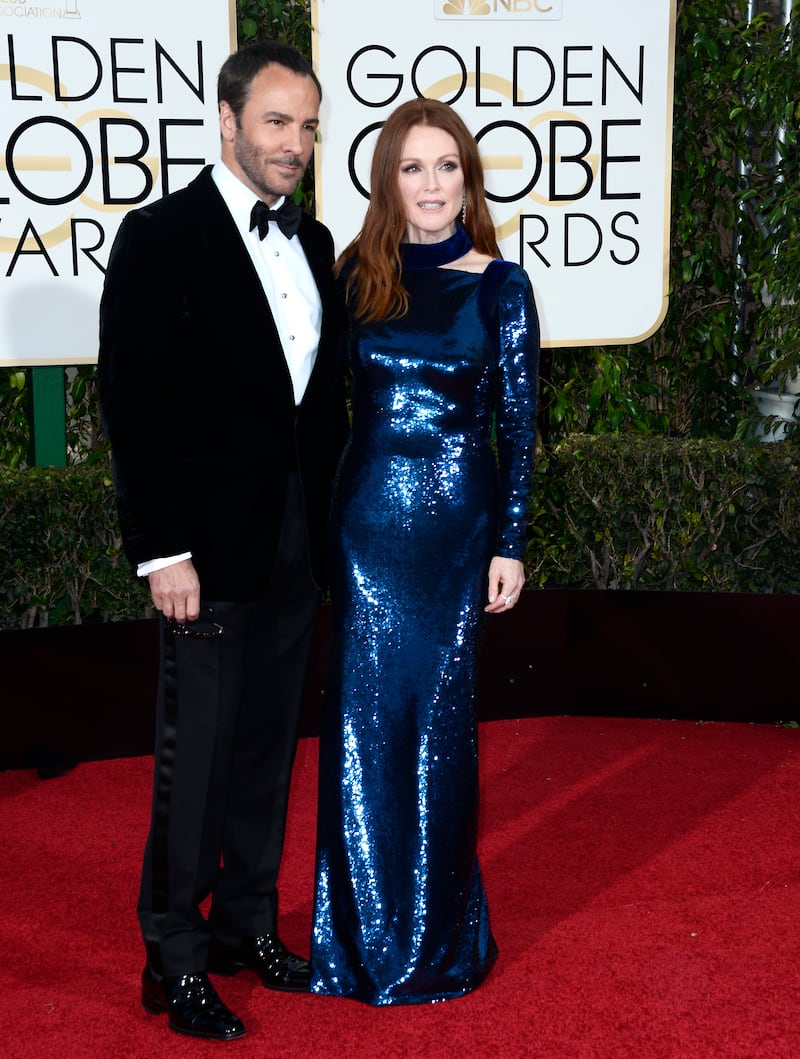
(196, 396)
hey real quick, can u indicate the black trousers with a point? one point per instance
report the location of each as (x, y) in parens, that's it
(229, 698)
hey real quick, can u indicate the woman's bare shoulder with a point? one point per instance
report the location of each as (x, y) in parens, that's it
(472, 261)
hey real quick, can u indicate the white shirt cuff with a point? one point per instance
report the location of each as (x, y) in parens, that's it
(143, 569)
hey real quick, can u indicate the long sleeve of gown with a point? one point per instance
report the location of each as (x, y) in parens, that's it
(517, 323)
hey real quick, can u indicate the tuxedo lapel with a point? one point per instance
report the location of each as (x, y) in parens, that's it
(236, 280)
(252, 325)
(224, 245)
(319, 264)
(319, 254)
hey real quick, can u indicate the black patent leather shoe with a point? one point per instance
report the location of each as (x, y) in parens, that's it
(268, 957)
(192, 1006)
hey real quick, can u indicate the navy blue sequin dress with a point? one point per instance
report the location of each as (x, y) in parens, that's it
(400, 911)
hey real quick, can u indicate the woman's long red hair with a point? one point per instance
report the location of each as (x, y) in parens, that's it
(374, 280)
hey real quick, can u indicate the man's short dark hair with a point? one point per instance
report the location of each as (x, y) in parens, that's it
(239, 69)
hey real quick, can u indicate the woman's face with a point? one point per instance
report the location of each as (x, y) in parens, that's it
(431, 184)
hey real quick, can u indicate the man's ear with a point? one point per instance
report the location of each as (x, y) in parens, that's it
(227, 121)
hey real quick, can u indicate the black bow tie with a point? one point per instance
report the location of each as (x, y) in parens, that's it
(287, 217)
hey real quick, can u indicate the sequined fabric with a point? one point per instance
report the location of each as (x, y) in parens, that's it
(400, 911)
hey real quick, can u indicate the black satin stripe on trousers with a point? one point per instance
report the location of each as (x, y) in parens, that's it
(166, 769)
(226, 731)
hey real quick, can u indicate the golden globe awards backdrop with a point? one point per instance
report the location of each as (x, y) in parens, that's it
(106, 104)
(571, 103)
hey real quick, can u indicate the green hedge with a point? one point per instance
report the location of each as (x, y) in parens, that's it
(609, 512)
(60, 557)
(667, 514)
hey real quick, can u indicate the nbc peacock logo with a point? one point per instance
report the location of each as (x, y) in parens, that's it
(461, 8)
(499, 10)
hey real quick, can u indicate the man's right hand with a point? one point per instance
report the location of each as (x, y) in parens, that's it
(175, 591)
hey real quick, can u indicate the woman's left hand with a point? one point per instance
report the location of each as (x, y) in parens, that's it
(506, 578)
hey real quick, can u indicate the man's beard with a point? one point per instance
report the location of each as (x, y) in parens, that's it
(251, 161)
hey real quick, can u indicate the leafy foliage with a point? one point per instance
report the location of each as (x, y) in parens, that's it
(286, 20)
(60, 552)
(735, 227)
(14, 421)
(700, 515)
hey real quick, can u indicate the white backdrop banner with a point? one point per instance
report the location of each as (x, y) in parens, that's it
(106, 104)
(571, 104)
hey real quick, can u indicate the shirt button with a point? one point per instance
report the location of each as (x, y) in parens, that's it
(284, 295)
(277, 253)
(291, 338)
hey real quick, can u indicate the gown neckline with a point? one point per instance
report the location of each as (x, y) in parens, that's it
(414, 256)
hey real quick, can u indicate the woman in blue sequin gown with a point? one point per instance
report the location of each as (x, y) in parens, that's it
(428, 533)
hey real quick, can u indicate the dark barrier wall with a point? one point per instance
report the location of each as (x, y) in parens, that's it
(87, 692)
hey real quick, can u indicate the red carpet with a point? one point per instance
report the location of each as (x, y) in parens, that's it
(643, 877)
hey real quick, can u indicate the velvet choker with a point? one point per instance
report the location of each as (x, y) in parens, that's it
(432, 255)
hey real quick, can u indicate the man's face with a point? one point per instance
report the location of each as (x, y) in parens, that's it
(271, 144)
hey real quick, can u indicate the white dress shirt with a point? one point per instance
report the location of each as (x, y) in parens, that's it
(285, 276)
(290, 289)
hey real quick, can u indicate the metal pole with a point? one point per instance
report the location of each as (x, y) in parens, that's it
(49, 417)
(740, 288)
(786, 16)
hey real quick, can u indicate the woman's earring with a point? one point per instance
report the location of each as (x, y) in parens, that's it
(464, 210)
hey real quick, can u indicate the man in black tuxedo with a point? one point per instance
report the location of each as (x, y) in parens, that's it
(226, 416)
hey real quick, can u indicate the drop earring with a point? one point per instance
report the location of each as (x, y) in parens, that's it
(464, 210)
